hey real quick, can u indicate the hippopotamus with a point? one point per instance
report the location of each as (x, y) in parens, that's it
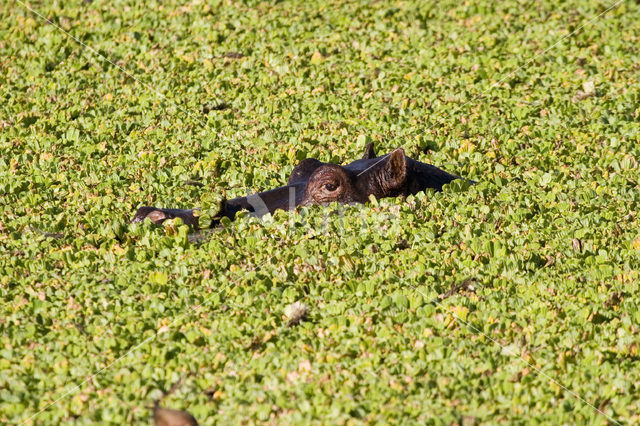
(315, 182)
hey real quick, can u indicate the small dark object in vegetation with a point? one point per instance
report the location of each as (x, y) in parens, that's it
(466, 285)
(588, 90)
(194, 183)
(577, 245)
(295, 313)
(233, 55)
(214, 106)
(168, 417)
(55, 235)
(315, 182)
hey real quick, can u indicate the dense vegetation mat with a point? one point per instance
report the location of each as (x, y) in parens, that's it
(513, 300)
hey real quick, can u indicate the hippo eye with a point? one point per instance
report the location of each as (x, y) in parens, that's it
(330, 187)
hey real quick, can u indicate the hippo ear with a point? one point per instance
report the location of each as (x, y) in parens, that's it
(394, 171)
(369, 152)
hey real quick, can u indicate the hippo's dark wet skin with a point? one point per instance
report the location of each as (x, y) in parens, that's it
(283, 198)
(315, 182)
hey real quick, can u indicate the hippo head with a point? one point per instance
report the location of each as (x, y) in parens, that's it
(315, 182)
(354, 183)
